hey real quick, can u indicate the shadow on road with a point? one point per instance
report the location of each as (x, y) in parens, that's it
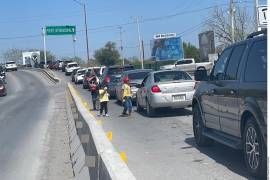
(168, 112)
(228, 157)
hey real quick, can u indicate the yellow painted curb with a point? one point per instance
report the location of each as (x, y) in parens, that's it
(110, 135)
(124, 157)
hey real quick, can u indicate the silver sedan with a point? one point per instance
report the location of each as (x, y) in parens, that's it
(167, 88)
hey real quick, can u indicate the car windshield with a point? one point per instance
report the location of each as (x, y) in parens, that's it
(72, 65)
(97, 71)
(119, 70)
(80, 72)
(138, 75)
(10, 63)
(167, 76)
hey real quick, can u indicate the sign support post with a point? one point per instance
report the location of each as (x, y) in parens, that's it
(44, 46)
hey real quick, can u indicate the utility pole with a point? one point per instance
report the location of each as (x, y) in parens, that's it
(86, 29)
(232, 14)
(256, 5)
(121, 45)
(74, 45)
(44, 46)
(140, 41)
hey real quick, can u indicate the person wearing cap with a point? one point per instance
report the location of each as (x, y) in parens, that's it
(126, 97)
(104, 99)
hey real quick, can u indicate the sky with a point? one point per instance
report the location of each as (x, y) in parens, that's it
(21, 23)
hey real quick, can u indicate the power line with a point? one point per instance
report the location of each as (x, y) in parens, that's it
(20, 37)
(134, 22)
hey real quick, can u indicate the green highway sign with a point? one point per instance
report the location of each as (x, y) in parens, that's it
(60, 30)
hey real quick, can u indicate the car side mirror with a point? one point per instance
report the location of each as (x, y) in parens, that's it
(201, 75)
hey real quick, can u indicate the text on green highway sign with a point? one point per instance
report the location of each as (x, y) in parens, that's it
(60, 30)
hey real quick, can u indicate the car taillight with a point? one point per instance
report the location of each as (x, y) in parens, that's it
(155, 89)
(107, 79)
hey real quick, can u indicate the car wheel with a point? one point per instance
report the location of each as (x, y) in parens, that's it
(254, 149)
(149, 110)
(139, 107)
(198, 127)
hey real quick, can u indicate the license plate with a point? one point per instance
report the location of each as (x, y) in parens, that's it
(179, 97)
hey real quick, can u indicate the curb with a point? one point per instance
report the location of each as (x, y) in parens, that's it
(92, 154)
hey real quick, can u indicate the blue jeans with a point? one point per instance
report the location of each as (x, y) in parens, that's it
(127, 105)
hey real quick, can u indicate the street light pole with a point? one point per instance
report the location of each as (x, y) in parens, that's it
(121, 45)
(44, 46)
(86, 29)
(140, 41)
(232, 12)
(256, 14)
(74, 45)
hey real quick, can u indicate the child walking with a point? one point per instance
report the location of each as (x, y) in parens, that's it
(94, 88)
(126, 96)
(104, 99)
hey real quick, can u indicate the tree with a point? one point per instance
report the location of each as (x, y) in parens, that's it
(13, 55)
(220, 23)
(191, 51)
(49, 56)
(108, 55)
(78, 60)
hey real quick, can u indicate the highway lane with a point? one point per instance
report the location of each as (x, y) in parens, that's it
(25, 115)
(163, 147)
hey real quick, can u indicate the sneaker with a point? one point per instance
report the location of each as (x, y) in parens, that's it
(107, 115)
(124, 114)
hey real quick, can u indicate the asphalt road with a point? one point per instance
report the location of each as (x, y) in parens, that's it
(26, 115)
(164, 148)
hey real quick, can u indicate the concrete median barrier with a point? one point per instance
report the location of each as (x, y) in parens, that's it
(92, 154)
(47, 72)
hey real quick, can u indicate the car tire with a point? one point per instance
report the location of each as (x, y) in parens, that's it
(254, 149)
(149, 109)
(198, 128)
(139, 107)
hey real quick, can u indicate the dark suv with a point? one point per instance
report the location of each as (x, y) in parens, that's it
(112, 76)
(230, 105)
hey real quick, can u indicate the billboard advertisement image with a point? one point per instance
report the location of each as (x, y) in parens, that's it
(31, 58)
(166, 49)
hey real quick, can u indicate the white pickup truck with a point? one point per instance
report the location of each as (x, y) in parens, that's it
(188, 65)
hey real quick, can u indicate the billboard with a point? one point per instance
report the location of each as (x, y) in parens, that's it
(206, 44)
(166, 49)
(262, 16)
(31, 58)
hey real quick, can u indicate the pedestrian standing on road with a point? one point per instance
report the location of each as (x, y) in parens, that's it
(94, 88)
(126, 97)
(104, 99)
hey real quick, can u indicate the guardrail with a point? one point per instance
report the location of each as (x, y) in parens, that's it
(50, 75)
(92, 154)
